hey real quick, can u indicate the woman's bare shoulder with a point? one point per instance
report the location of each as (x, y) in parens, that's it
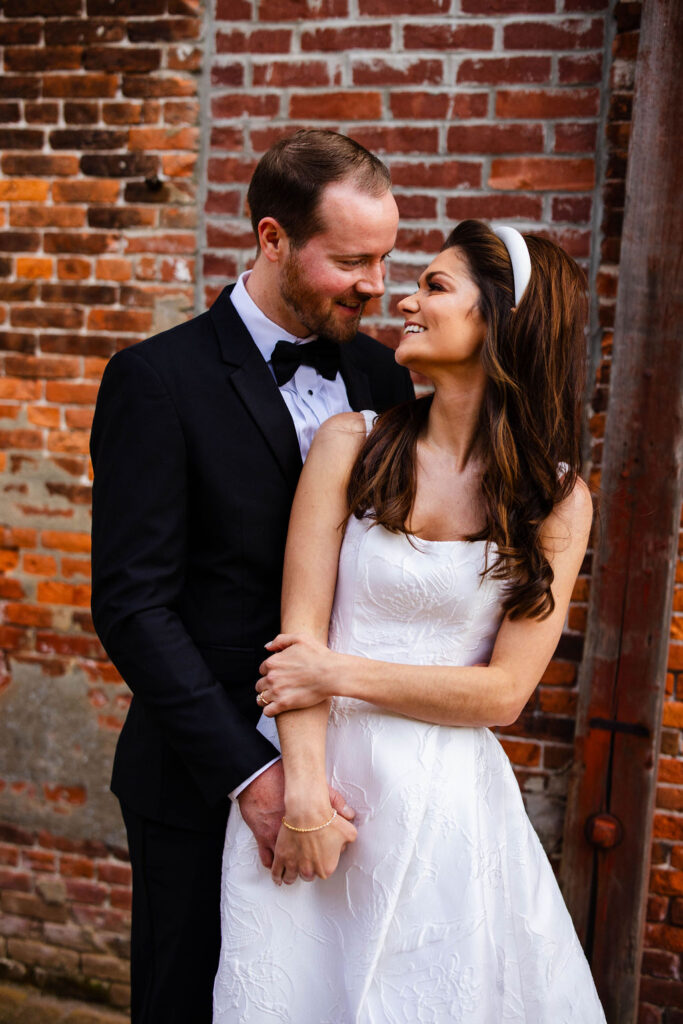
(569, 524)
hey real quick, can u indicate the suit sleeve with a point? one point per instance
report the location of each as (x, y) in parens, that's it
(139, 551)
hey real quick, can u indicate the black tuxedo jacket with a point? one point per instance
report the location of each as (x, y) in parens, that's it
(196, 461)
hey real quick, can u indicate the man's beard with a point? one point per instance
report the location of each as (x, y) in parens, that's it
(317, 314)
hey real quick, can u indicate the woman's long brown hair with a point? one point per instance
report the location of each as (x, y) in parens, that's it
(530, 425)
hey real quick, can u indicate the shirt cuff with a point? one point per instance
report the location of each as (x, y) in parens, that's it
(243, 785)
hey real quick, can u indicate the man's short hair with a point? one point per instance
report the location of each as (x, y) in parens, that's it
(289, 179)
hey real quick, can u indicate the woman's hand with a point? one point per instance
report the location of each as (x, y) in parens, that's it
(310, 854)
(298, 674)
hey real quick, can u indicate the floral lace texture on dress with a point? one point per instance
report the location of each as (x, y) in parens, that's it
(445, 910)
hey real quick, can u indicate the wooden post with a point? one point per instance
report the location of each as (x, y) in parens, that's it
(608, 825)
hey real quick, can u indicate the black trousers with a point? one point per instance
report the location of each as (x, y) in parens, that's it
(175, 934)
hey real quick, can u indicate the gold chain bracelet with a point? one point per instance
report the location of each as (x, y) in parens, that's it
(315, 828)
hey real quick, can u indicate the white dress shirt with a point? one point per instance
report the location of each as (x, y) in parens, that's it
(310, 398)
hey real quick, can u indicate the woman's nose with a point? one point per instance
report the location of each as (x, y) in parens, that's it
(409, 304)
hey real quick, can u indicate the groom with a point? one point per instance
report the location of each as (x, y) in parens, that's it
(197, 444)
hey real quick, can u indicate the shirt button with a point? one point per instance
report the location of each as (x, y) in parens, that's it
(310, 391)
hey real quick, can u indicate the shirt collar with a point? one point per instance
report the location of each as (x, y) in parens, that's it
(264, 332)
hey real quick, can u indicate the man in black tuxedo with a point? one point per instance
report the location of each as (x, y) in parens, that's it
(197, 445)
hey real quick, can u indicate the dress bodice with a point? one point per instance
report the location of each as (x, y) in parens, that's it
(403, 599)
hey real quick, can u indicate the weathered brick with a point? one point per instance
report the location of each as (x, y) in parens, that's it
(568, 34)
(544, 174)
(444, 174)
(63, 86)
(336, 105)
(495, 70)
(547, 103)
(498, 138)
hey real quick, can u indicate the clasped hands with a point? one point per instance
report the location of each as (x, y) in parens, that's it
(298, 674)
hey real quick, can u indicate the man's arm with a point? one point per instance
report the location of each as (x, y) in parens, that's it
(139, 554)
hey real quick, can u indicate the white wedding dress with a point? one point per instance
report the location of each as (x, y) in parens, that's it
(445, 909)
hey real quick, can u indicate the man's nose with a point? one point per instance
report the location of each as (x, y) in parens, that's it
(371, 281)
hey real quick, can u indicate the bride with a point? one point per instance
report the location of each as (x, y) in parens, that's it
(436, 553)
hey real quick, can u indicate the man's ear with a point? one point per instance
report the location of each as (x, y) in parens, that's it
(273, 239)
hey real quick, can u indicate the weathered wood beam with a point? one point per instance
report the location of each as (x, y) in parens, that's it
(623, 673)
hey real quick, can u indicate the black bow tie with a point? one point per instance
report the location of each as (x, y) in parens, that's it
(321, 354)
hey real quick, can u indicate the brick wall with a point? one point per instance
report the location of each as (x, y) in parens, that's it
(99, 106)
(489, 110)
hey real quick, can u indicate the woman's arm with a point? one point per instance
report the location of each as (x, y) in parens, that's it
(305, 672)
(310, 575)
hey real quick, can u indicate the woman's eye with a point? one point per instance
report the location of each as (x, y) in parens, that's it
(434, 287)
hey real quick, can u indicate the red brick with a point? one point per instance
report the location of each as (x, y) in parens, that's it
(41, 113)
(118, 874)
(336, 105)
(668, 826)
(491, 207)
(15, 880)
(572, 33)
(495, 138)
(667, 883)
(76, 867)
(447, 37)
(444, 174)
(547, 103)
(576, 209)
(25, 439)
(46, 316)
(150, 86)
(407, 139)
(508, 6)
(494, 70)
(419, 240)
(282, 74)
(394, 7)
(662, 992)
(51, 592)
(422, 104)
(73, 269)
(175, 112)
(568, 175)
(521, 753)
(101, 191)
(43, 58)
(227, 75)
(397, 72)
(86, 892)
(580, 70)
(43, 416)
(27, 614)
(84, 86)
(185, 137)
(417, 207)
(34, 267)
(66, 541)
(296, 10)
(241, 105)
(133, 113)
(350, 37)
(277, 40)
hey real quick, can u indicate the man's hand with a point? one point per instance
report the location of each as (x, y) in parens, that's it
(262, 805)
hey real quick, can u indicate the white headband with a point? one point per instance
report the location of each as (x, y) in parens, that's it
(519, 258)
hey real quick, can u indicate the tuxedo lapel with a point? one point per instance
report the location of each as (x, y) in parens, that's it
(356, 379)
(253, 382)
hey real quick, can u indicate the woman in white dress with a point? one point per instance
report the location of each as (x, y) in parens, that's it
(436, 554)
